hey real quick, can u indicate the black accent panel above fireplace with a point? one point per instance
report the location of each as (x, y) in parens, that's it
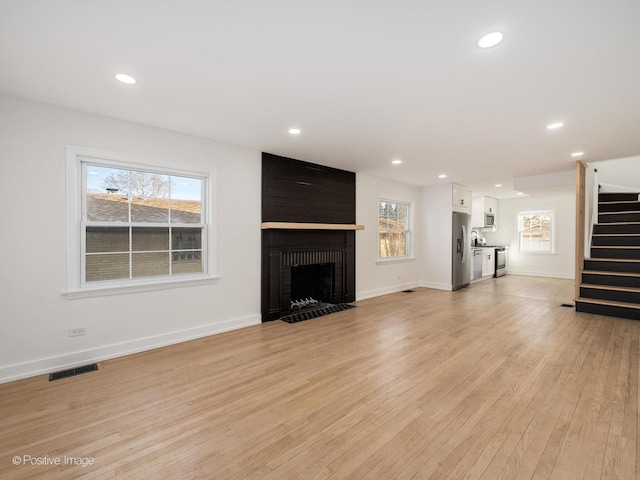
(303, 262)
(295, 191)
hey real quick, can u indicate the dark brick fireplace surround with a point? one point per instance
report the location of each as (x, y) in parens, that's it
(299, 192)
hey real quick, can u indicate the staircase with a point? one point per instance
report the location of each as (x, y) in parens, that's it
(611, 276)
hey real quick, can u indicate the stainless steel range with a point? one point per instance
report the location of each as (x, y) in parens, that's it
(501, 261)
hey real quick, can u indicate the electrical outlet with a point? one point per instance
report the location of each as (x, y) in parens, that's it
(77, 331)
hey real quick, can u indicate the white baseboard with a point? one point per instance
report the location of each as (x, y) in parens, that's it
(541, 274)
(41, 366)
(384, 291)
(437, 286)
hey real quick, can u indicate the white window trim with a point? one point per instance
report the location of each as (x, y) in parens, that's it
(407, 258)
(74, 288)
(553, 231)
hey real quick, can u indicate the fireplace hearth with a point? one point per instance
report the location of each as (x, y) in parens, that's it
(316, 312)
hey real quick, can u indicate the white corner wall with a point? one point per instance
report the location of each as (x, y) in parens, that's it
(375, 278)
(436, 231)
(558, 265)
(36, 316)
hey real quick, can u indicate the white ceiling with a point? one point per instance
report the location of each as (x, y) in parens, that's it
(366, 81)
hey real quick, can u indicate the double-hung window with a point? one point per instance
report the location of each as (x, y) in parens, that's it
(394, 229)
(137, 223)
(536, 231)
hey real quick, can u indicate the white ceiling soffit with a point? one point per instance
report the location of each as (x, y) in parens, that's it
(365, 82)
(547, 184)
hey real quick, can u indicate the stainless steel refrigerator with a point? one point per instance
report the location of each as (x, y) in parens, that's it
(461, 268)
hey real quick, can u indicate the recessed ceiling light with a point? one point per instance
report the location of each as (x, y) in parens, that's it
(490, 40)
(396, 162)
(124, 78)
(553, 126)
(295, 131)
(443, 175)
(577, 154)
(498, 185)
(519, 193)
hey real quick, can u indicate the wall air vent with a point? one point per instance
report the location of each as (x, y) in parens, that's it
(73, 371)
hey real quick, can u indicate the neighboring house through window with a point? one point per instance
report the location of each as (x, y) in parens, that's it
(536, 231)
(136, 223)
(394, 229)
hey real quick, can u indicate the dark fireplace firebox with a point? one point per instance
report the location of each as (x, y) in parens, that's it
(313, 282)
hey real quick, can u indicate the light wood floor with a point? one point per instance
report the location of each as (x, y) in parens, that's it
(496, 381)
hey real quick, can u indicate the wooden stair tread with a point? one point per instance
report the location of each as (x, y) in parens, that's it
(611, 288)
(617, 274)
(611, 202)
(624, 212)
(611, 303)
(615, 246)
(634, 260)
(617, 223)
(616, 234)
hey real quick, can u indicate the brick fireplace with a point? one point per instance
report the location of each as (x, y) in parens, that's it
(308, 234)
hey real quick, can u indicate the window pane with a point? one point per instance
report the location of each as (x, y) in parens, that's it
(186, 239)
(107, 207)
(146, 239)
(149, 185)
(152, 210)
(392, 244)
(150, 264)
(535, 241)
(107, 239)
(186, 188)
(186, 211)
(107, 267)
(186, 262)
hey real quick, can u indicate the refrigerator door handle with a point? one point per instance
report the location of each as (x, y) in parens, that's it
(464, 243)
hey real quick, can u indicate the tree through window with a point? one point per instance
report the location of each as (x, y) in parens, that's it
(394, 229)
(535, 231)
(140, 224)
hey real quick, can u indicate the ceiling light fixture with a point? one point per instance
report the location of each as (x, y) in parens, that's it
(124, 78)
(396, 162)
(498, 185)
(490, 40)
(553, 126)
(443, 175)
(295, 131)
(519, 193)
(577, 154)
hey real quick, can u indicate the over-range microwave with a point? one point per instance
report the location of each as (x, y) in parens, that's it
(489, 220)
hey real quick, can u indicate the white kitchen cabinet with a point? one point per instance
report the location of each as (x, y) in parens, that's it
(461, 198)
(491, 206)
(481, 206)
(488, 262)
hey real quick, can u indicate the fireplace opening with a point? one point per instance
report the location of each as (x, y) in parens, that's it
(312, 286)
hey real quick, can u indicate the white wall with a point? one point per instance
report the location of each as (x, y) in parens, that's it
(561, 263)
(621, 174)
(36, 316)
(373, 277)
(436, 225)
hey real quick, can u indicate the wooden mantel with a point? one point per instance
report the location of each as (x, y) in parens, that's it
(310, 226)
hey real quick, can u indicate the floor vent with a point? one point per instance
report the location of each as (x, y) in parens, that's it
(568, 305)
(73, 371)
(407, 291)
(318, 312)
